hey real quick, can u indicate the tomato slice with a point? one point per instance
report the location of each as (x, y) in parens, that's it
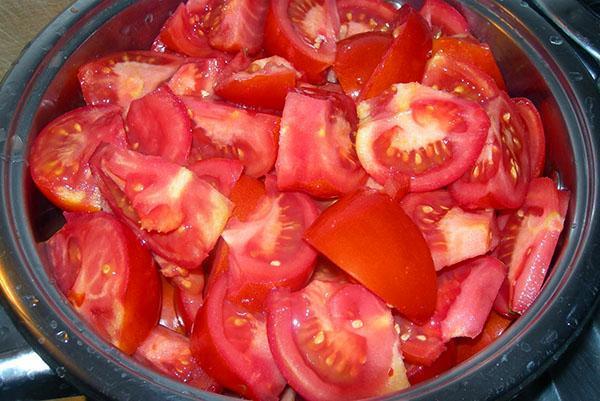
(500, 175)
(120, 78)
(108, 276)
(335, 341)
(189, 298)
(469, 50)
(535, 134)
(158, 125)
(231, 345)
(263, 85)
(303, 32)
(369, 236)
(169, 352)
(226, 131)
(222, 174)
(246, 195)
(419, 373)
(414, 131)
(410, 49)
(444, 19)
(169, 317)
(459, 78)
(198, 78)
(179, 215)
(357, 57)
(361, 16)
(268, 250)
(421, 345)
(529, 239)
(316, 153)
(453, 235)
(59, 156)
(494, 328)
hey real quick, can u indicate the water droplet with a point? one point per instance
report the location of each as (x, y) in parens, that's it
(556, 40)
(53, 325)
(74, 10)
(18, 287)
(550, 337)
(79, 343)
(525, 347)
(524, 4)
(149, 18)
(123, 375)
(571, 319)
(63, 336)
(530, 366)
(61, 372)
(4, 332)
(31, 300)
(31, 375)
(576, 76)
(41, 340)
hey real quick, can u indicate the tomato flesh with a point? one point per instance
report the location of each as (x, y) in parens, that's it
(189, 298)
(362, 16)
(223, 174)
(535, 134)
(444, 18)
(495, 325)
(198, 78)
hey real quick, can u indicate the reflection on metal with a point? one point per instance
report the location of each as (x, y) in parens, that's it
(20, 367)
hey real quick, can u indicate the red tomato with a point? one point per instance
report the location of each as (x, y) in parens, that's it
(169, 352)
(459, 78)
(359, 16)
(335, 341)
(303, 32)
(179, 215)
(500, 176)
(122, 77)
(59, 156)
(410, 49)
(223, 174)
(316, 153)
(414, 131)
(108, 276)
(231, 345)
(246, 196)
(419, 373)
(158, 125)
(494, 327)
(421, 345)
(198, 78)
(529, 239)
(468, 50)
(535, 134)
(189, 298)
(357, 57)
(453, 235)
(226, 131)
(267, 250)
(169, 317)
(335, 94)
(443, 18)
(370, 237)
(501, 303)
(263, 85)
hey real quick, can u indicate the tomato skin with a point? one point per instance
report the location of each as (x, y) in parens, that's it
(535, 134)
(169, 316)
(444, 17)
(197, 78)
(370, 237)
(494, 328)
(223, 174)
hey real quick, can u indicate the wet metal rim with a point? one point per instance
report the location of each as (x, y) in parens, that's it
(102, 371)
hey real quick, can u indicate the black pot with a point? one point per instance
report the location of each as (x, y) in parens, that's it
(538, 63)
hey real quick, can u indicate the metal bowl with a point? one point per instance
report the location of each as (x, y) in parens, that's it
(537, 62)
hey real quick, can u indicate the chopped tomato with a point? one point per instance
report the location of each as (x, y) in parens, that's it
(528, 242)
(469, 50)
(359, 16)
(189, 298)
(535, 134)
(414, 131)
(419, 373)
(494, 327)
(108, 276)
(335, 94)
(231, 345)
(410, 49)
(369, 236)
(501, 303)
(226, 131)
(197, 78)
(158, 125)
(421, 345)
(120, 78)
(169, 317)
(303, 32)
(59, 156)
(246, 195)
(223, 174)
(316, 153)
(443, 18)
(335, 341)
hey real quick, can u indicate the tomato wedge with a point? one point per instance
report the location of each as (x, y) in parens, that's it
(59, 156)
(494, 328)
(108, 276)
(535, 134)
(335, 341)
(246, 196)
(444, 19)
(419, 373)
(414, 131)
(369, 236)
(189, 298)
(303, 32)
(359, 16)
(222, 174)
(169, 317)
(198, 78)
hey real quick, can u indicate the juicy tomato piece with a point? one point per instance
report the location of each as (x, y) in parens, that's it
(59, 156)
(361, 16)
(459, 78)
(535, 134)
(414, 131)
(421, 345)
(335, 94)
(453, 234)
(158, 125)
(494, 327)
(231, 345)
(316, 153)
(123, 77)
(410, 49)
(303, 32)
(500, 175)
(263, 85)
(198, 78)
(169, 317)
(223, 174)
(369, 236)
(170, 353)
(444, 19)
(179, 215)
(469, 50)
(501, 303)
(108, 276)
(529, 239)
(226, 131)
(419, 373)
(335, 341)
(189, 298)
(246, 195)
(357, 57)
